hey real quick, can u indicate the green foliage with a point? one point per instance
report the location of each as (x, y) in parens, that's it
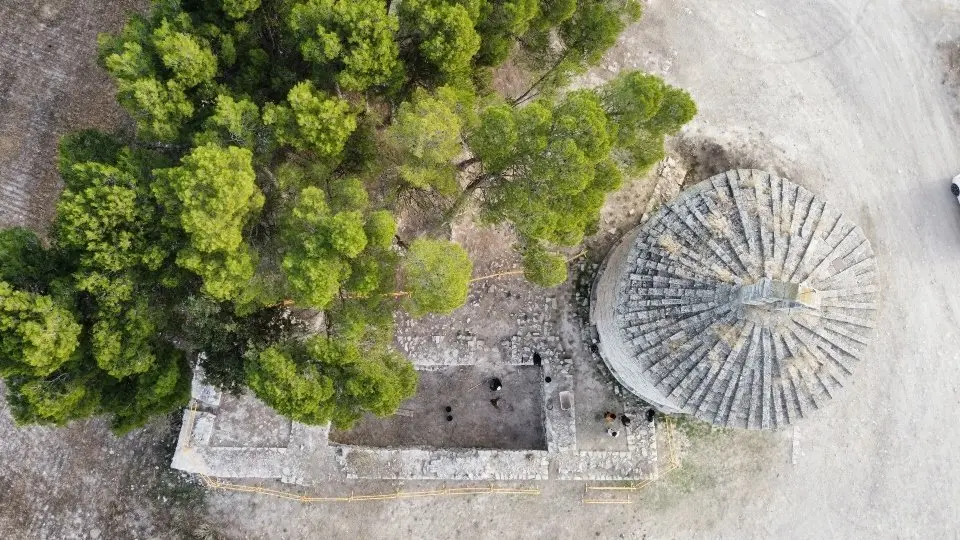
(236, 9)
(436, 276)
(362, 151)
(190, 59)
(160, 390)
(380, 229)
(55, 400)
(121, 342)
(85, 146)
(499, 24)
(225, 338)
(37, 337)
(552, 13)
(375, 381)
(22, 258)
(136, 57)
(349, 194)
(111, 292)
(159, 109)
(646, 109)
(568, 36)
(319, 243)
(368, 320)
(556, 167)
(544, 268)
(234, 122)
(551, 164)
(355, 40)
(225, 274)
(328, 380)
(299, 392)
(426, 136)
(371, 274)
(497, 134)
(346, 233)
(100, 218)
(313, 121)
(213, 194)
(275, 142)
(442, 37)
(130, 63)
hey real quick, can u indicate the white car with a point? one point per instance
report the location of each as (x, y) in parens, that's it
(955, 187)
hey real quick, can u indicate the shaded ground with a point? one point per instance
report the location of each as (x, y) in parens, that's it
(516, 424)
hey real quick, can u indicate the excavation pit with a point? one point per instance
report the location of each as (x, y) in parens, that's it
(514, 423)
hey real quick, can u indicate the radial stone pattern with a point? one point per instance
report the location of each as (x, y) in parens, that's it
(746, 302)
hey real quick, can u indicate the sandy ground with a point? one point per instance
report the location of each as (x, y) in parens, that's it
(845, 98)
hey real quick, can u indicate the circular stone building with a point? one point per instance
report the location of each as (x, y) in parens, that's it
(746, 302)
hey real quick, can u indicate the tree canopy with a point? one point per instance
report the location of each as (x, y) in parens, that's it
(36, 335)
(324, 380)
(275, 144)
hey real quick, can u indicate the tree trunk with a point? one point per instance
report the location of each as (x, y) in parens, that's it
(523, 97)
(462, 199)
(467, 162)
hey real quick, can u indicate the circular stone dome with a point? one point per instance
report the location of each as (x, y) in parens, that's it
(746, 302)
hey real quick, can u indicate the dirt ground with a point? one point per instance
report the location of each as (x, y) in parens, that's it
(516, 423)
(851, 99)
(83, 482)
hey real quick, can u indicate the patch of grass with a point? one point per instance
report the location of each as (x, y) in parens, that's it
(695, 429)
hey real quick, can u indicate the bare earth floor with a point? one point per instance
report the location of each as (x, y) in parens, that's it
(516, 423)
(846, 98)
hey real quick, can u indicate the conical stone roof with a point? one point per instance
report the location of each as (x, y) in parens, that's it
(746, 302)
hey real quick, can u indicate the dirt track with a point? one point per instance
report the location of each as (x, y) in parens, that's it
(847, 99)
